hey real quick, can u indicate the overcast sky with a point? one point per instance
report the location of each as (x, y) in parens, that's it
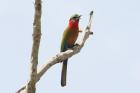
(108, 63)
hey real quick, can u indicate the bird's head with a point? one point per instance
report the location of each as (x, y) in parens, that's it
(74, 20)
(75, 17)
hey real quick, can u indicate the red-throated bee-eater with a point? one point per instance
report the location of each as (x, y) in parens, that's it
(68, 40)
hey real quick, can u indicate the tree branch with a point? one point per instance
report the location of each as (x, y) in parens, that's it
(31, 85)
(63, 55)
(67, 54)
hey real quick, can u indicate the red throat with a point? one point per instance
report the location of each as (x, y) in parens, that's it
(73, 24)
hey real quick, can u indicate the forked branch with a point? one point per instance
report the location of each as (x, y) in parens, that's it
(64, 55)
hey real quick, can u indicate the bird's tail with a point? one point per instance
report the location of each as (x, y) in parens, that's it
(64, 73)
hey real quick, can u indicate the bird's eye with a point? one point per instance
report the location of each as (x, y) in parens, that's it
(74, 17)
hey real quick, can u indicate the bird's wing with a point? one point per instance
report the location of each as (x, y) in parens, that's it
(64, 42)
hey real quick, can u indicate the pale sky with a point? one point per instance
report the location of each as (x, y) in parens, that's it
(108, 63)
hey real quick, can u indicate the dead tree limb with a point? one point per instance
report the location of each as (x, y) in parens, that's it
(67, 54)
(31, 85)
(63, 55)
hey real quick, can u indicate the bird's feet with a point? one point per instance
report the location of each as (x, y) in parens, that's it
(76, 45)
(80, 31)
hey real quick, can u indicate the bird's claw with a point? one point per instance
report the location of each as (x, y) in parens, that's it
(76, 45)
(80, 31)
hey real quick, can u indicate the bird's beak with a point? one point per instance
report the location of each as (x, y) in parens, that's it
(80, 16)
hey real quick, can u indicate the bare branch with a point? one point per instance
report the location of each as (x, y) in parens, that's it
(67, 54)
(64, 55)
(31, 85)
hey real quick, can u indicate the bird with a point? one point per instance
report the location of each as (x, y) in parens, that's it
(69, 38)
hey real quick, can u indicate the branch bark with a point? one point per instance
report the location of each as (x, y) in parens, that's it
(63, 55)
(31, 85)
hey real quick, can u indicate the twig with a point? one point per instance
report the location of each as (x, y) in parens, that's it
(64, 55)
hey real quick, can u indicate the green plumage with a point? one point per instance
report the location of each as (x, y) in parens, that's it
(69, 37)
